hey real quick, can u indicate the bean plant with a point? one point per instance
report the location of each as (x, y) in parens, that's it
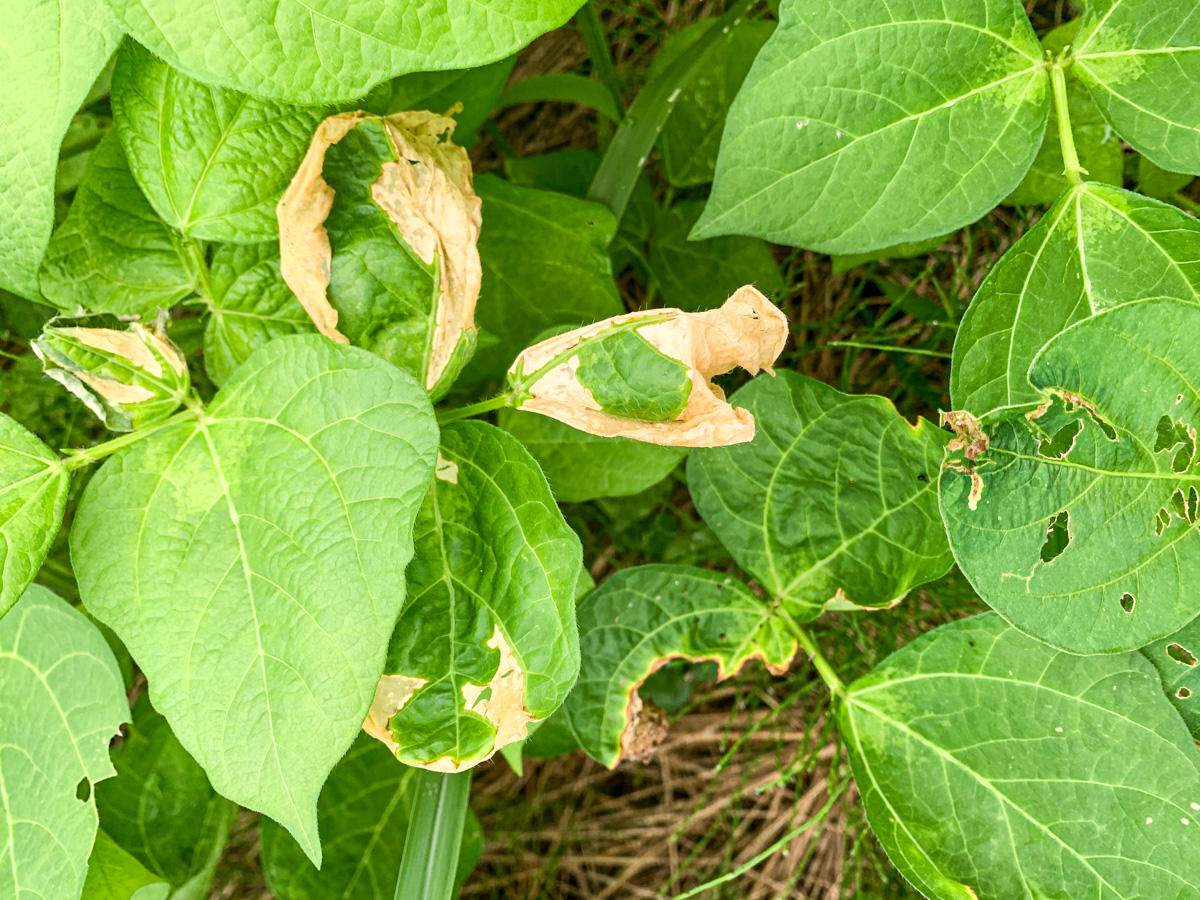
(326, 390)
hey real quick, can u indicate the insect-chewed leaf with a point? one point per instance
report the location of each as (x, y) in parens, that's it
(641, 619)
(113, 253)
(834, 502)
(863, 124)
(113, 874)
(33, 495)
(161, 808)
(368, 793)
(61, 702)
(1077, 520)
(969, 810)
(420, 194)
(128, 374)
(252, 559)
(487, 641)
(1141, 61)
(53, 51)
(251, 305)
(1177, 658)
(213, 162)
(1098, 247)
(646, 375)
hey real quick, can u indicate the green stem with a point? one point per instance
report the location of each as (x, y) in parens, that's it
(591, 33)
(435, 828)
(806, 642)
(1071, 167)
(474, 409)
(85, 456)
(861, 345)
(203, 286)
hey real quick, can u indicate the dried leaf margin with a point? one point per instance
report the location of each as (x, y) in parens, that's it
(748, 331)
(429, 196)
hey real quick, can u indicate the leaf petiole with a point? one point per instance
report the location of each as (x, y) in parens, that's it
(1058, 81)
(475, 409)
(85, 456)
(809, 646)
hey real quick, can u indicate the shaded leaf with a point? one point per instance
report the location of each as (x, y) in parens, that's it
(112, 874)
(262, 635)
(844, 263)
(1159, 183)
(1177, 658)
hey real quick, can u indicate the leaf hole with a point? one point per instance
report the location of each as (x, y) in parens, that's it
(1128, 602)
(1161, 521)
(83, 790)
(922, 478)
(1183, 693)
(1058, 536)
(1170, 434)
(1063, 442)
(1181, 655)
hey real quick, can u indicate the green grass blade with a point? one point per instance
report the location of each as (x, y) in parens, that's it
(435, 832)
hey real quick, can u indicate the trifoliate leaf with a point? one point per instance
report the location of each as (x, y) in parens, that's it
(834, 502)
(112, 874)
(986, 760)
(53, 51)
(263, 635)
(486, 643)
(640, 619)
(864, 125)
(647, 375)
(212, 162)
(61, 703)
(1076, 519)
(33, 495)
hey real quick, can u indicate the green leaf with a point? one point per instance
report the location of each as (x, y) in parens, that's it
(252, 559)
(161, 808)
(1141, 61)
(53, 51)
(487, 641)
(993, 767)
(1097, 247)
(1075, 521)
(61, 702)
(864, 125)
(33, 495)
(315, 54)
(1177, 658)
(1159, 183)
(832, 503)
(113, 253)
(640, 619)
(112, 874)
(582, 466)
(366, 803)
(691, 137)
(630, 377)
(900, 251)
(696, 275)
(251, 306)
(545, 263)
(1098, 146)
(563, 87)
(212, 162)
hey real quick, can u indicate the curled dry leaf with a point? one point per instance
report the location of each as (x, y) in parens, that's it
(647, 375)
(428, 195)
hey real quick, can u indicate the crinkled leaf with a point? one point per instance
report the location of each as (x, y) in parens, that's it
(312, 54)
(993, 766)
(366, 803)
(1076, 520)
(251, 306)
(691, 137)
(33, 495)
(53, 51)
(212, 162)
(113, 253)
(112, 874)
(1141, 61)
(487, 642)
(644, 617)
(61, 702)
(1177, 658)
(1097, 247)
(863, 124)
(833, 503)
(252, 560)
(695, 275)
(161, 808)
(582, 466)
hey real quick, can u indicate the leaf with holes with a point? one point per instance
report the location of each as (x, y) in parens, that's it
(1097, 247)
(644, 617)
(1177, 658)
(61, 702)
(1141, 61)
(252, 559)
(486, 643)
(1089, 787)
(212, 162)
(1076, 520)
(834, 502)
(863, 125)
